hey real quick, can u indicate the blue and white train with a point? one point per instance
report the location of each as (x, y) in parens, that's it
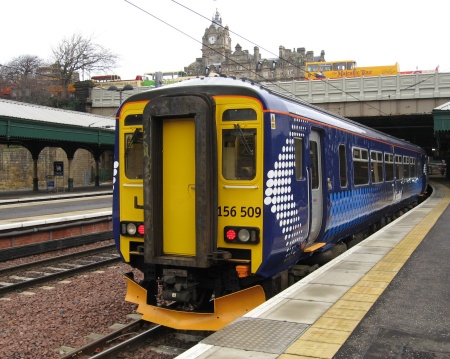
(222, 186)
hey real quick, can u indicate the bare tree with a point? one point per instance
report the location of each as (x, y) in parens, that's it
(24, 82)
(79, 54)
(25, 65)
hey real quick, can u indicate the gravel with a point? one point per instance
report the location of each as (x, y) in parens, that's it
(35, 323)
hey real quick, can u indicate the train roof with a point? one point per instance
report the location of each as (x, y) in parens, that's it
(271, 100)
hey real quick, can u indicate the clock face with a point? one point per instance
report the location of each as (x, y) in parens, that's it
(212, 39)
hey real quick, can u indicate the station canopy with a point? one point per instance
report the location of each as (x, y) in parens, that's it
(21, 122)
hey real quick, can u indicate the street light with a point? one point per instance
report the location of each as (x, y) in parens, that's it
(127, 87)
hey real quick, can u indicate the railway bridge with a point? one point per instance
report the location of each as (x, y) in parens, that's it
(412, 107)
(408, 106)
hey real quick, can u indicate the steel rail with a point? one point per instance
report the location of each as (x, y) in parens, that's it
(57, 275)
(20, 267)
(140, 338)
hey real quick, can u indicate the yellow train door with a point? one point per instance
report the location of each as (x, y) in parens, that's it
(179, 186)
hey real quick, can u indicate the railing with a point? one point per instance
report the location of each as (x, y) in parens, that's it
(399, 87)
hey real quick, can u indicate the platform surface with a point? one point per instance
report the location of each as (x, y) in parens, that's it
(387, 297)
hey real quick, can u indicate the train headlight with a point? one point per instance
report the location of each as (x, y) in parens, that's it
(244, 235)
(131, 229)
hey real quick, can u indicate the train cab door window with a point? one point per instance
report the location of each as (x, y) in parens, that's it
(360, 166)
(405, 167)
(134, 155)
(342, 166)
(389, 165)
(314, 155)
(399, 166)
(298, 148)
(376, 160)
(239, 154)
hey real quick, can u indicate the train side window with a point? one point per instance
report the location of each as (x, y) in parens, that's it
(399, 167)
(239, 154)
(360, 166)
(376, 159)
(389, 165)
(298, 148)
(342, 166)
(405, 167)
(134, 155)
(339, 66)
(325, 67)
(314, 156)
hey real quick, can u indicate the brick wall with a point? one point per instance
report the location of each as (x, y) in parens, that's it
(48, 235)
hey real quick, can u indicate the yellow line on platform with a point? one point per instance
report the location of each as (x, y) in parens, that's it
(326, 336)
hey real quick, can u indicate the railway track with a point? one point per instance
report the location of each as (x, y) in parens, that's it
(138, 335)
(38, 272)
(131, 336)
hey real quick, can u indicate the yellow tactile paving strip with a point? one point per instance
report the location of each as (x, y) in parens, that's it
(326, 336)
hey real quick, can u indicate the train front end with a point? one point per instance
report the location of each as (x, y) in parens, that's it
(192, 219)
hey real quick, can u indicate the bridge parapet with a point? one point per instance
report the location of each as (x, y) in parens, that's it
(379, 88)
(378, 96)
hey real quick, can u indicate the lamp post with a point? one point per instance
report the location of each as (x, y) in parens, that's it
(127, 87)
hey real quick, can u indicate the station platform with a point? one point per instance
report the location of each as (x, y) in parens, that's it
(387, 297)
(32, 222)
(22, 196)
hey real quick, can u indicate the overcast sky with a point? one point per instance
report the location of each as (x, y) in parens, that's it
(382, 32)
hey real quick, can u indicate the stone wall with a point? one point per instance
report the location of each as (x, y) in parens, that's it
(16, 167)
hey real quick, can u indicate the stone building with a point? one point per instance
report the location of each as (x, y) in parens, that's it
(218, 57)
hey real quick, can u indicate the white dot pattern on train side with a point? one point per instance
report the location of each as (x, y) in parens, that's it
(278, 193)
(115, 172)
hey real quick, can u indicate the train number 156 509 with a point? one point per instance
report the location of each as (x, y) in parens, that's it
(233, 211)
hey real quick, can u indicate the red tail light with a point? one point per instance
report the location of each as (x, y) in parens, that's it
(230, 234)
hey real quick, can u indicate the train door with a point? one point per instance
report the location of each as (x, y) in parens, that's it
(178, 164)
(316, 185)
(398, 185)
(180, 180)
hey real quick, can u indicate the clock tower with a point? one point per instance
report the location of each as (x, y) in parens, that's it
(216, 42)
